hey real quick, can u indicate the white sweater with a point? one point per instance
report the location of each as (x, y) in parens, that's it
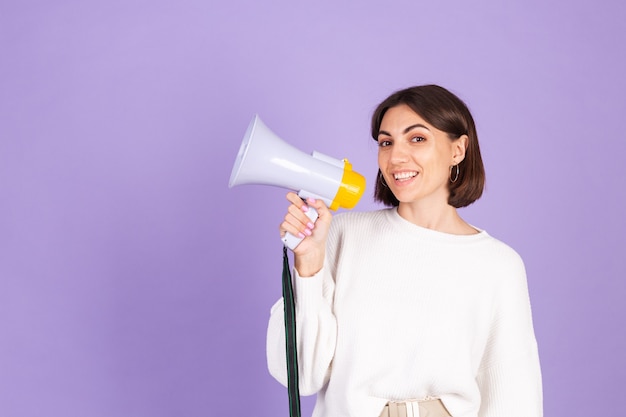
(401, 312)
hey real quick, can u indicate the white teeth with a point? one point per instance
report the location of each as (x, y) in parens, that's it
(404, 175)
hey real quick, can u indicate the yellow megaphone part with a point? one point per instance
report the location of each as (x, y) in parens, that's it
(350, 189)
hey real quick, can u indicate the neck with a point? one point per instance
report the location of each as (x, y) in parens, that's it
(442, 218)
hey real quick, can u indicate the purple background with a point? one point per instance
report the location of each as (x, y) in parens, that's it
(134, 282)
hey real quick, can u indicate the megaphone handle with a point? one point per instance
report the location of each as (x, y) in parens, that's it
(292, 241)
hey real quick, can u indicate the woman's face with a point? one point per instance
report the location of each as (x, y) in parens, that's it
(415, 157)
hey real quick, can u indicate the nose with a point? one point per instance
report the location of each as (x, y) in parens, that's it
(399, 153)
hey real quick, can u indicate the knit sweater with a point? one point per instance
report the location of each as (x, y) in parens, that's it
(401, 312)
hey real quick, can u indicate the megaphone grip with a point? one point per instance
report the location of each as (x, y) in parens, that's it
(292, 241)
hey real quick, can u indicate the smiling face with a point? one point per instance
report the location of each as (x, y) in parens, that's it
(415, 158)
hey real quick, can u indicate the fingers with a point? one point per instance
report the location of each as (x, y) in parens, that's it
(310, 252)
(297, 201)
(320, 206)
(296, 221)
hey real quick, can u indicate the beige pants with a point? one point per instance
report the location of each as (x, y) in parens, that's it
(429, 408)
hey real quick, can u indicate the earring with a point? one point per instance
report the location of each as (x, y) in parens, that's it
(456, 177)
(382, 180)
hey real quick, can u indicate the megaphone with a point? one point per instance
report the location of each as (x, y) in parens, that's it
(264, 158)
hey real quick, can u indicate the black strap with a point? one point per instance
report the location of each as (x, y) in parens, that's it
(290, 339)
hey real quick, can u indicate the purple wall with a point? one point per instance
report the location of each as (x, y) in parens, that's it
(134, 282)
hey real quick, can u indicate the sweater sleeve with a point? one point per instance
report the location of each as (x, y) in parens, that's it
(316, 333)
(509, 378)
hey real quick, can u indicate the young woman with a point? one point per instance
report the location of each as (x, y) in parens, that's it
(410, 309)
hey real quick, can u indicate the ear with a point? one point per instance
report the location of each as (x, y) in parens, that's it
(459, 147)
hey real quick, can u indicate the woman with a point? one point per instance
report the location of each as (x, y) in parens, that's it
(410, 307)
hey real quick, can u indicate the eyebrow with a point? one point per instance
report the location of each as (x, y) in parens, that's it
(407, 130)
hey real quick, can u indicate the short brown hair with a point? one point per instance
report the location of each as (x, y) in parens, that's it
(448, 113)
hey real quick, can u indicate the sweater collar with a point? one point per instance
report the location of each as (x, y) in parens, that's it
(407, 227)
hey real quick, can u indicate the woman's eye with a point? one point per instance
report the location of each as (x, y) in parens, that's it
(384, 143)
(417, 139)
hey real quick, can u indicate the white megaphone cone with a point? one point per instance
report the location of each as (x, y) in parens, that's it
(264, 158)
